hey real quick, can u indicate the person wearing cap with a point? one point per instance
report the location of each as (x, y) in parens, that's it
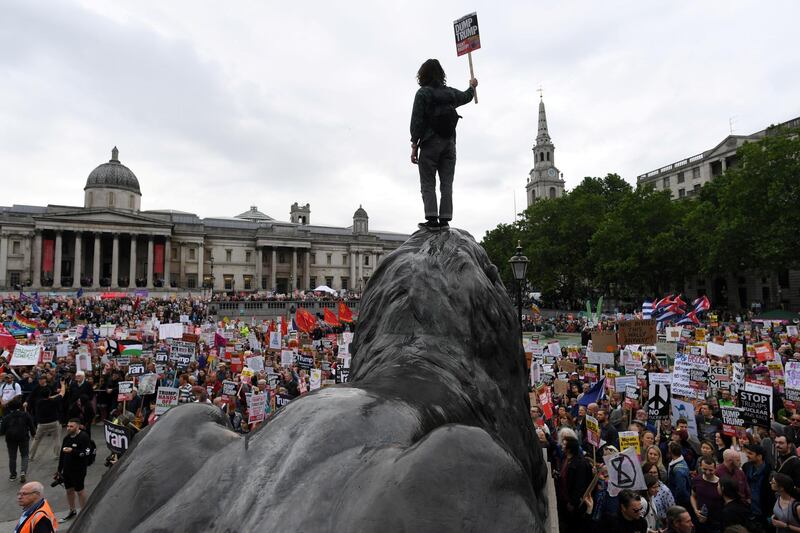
(9, 390)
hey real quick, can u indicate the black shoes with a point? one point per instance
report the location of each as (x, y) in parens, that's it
(12, 477)
(434, 225)
(72, 514)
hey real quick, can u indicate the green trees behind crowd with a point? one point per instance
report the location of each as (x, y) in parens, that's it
(605, 237)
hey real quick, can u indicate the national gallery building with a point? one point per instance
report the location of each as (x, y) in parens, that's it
(111, 244)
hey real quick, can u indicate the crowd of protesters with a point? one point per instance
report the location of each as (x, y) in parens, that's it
(699, 474)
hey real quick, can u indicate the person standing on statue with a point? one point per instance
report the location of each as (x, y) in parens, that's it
(433, 140)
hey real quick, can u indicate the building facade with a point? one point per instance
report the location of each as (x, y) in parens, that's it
(684, 179)
(111, 244)
(544, 179)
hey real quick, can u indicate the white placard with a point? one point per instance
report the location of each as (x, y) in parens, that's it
(659, 378)
(316, 378)
(274, 340)
(287, 358)
(685, 410)
(600, 358)
(25, 355)
(733, 348)
(716, 350)
(255, 363)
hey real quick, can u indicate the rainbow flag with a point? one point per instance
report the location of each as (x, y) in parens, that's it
(24, 323)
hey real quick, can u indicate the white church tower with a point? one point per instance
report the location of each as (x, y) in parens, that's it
(544, 180)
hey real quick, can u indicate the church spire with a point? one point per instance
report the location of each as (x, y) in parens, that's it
(543, 136)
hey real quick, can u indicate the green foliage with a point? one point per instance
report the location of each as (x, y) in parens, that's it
(604, 237)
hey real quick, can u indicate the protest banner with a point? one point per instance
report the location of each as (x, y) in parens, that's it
(629, 439)
(257, 406)
(147, 384)
(791, 374)
(306, 362)
(621, 382)
(316, 379)
(604, 341)
(684, 410)
(732, 420)
(590, 372)
(673, 333)
(117, 437)
(136, 370)
(658, 402)
(25, 355)
(624, 472)
(631, 397)
(737, 379)
(287, 358)
(764, 351)
(229, 388)
(756, 408)
(161, 356)
(715, 350)
(166, 399)
(468, 38)
(637, 332)
(125, 393)
(733, 348)
(282, 400)
(592, 431)
(545, 401)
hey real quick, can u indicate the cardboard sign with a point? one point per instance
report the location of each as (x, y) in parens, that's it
(560, 387)
(166, 399)
(756, 407)
(125, 391)
(604, 341)
(673, 333)
(600, 358)
(637, 332)
(467, 34)
(658, 402)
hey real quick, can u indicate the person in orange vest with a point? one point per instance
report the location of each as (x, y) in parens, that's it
(37, 517)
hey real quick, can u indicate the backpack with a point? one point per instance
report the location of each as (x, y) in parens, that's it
(442, 116)
(15, 426)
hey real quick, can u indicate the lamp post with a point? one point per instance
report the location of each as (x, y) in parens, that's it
(519, 267)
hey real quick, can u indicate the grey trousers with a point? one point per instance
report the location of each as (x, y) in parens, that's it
(47, 429)
(437, 155)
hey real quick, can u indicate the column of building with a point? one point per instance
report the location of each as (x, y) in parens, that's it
(77, 264)
(307, 271)
(182, 251)
(96, 262)
(167, 261)
(352, 283)
(273, 269)
(115, 261)
(293, 284)
(57, 261)
(132, 266)
(259, 267)
(201, 254)
(37, 258)
(150, 262)
(3, 259)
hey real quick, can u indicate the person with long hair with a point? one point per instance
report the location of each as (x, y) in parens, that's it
(652, 454)
(784, 513)
(433, 123)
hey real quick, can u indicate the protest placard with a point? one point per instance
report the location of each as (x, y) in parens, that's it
(183, 361)
(604, 341)
(560, 387)
(161, 356)
(673, 333)
(733, 348)
(624, 472)
(592, 430)
(715, 350)
(287, 358)
(600, 358)
(791, 374)
(554, 349)
(274, 340)
(315, 381)
(255, 363)
(659, 378)
(545, 401)
(166, 399)
(684, 410)
(117, 437)
(756, 407)
(125, 393)
(637, 332)
(731, 420)
(621, 383)
(147, 384)
(229, 388)
(282, 400)
(764, 351)
(304, 361)
(136, 370)
(629, 439)
(25, 355)
(256, 411)
(467, 34)
(658, 402)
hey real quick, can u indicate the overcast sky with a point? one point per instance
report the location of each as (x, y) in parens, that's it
(217, 106)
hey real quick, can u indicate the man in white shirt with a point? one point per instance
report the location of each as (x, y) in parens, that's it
(9, 390)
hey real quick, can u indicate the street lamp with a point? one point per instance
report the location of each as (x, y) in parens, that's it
(519, 267)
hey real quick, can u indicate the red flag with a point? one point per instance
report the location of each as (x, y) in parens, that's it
(272, 327)
(330, 318)
(284, 327)
(305, 320)
(345, 314)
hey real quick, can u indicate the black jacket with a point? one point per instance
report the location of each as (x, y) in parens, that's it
(767, 499)
(579, 475)
(735, 513)
(789, 465)
(77, 458)
(17, 426)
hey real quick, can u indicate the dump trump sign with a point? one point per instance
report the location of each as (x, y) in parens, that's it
(467, 36)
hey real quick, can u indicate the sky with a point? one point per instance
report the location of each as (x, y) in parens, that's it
(219, 106)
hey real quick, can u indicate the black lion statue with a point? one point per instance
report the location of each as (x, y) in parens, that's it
(432, 433)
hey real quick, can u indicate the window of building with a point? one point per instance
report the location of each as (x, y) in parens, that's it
(91, 198)
(312, 281)
(548, 156)
(281, 258)
(174, 253)
(192, 254)
(695, 173)
(697, 188)
(248, 255)
(329, 281)
(329, 260)
(248, 283)
(132, 202)
(681, 178)
(344, 259)
(366, 259)
(228, 255)
(552, 192)
(13, 278)
(313, 259)
(228, 282)
(541, 156)
(110, 199)
(681, 193)
(16, 246)
(345, 283)
(665, 182)
(207, 254)
(191, 281)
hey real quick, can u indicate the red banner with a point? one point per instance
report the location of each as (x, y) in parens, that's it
(158, 259)
(48, 255)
